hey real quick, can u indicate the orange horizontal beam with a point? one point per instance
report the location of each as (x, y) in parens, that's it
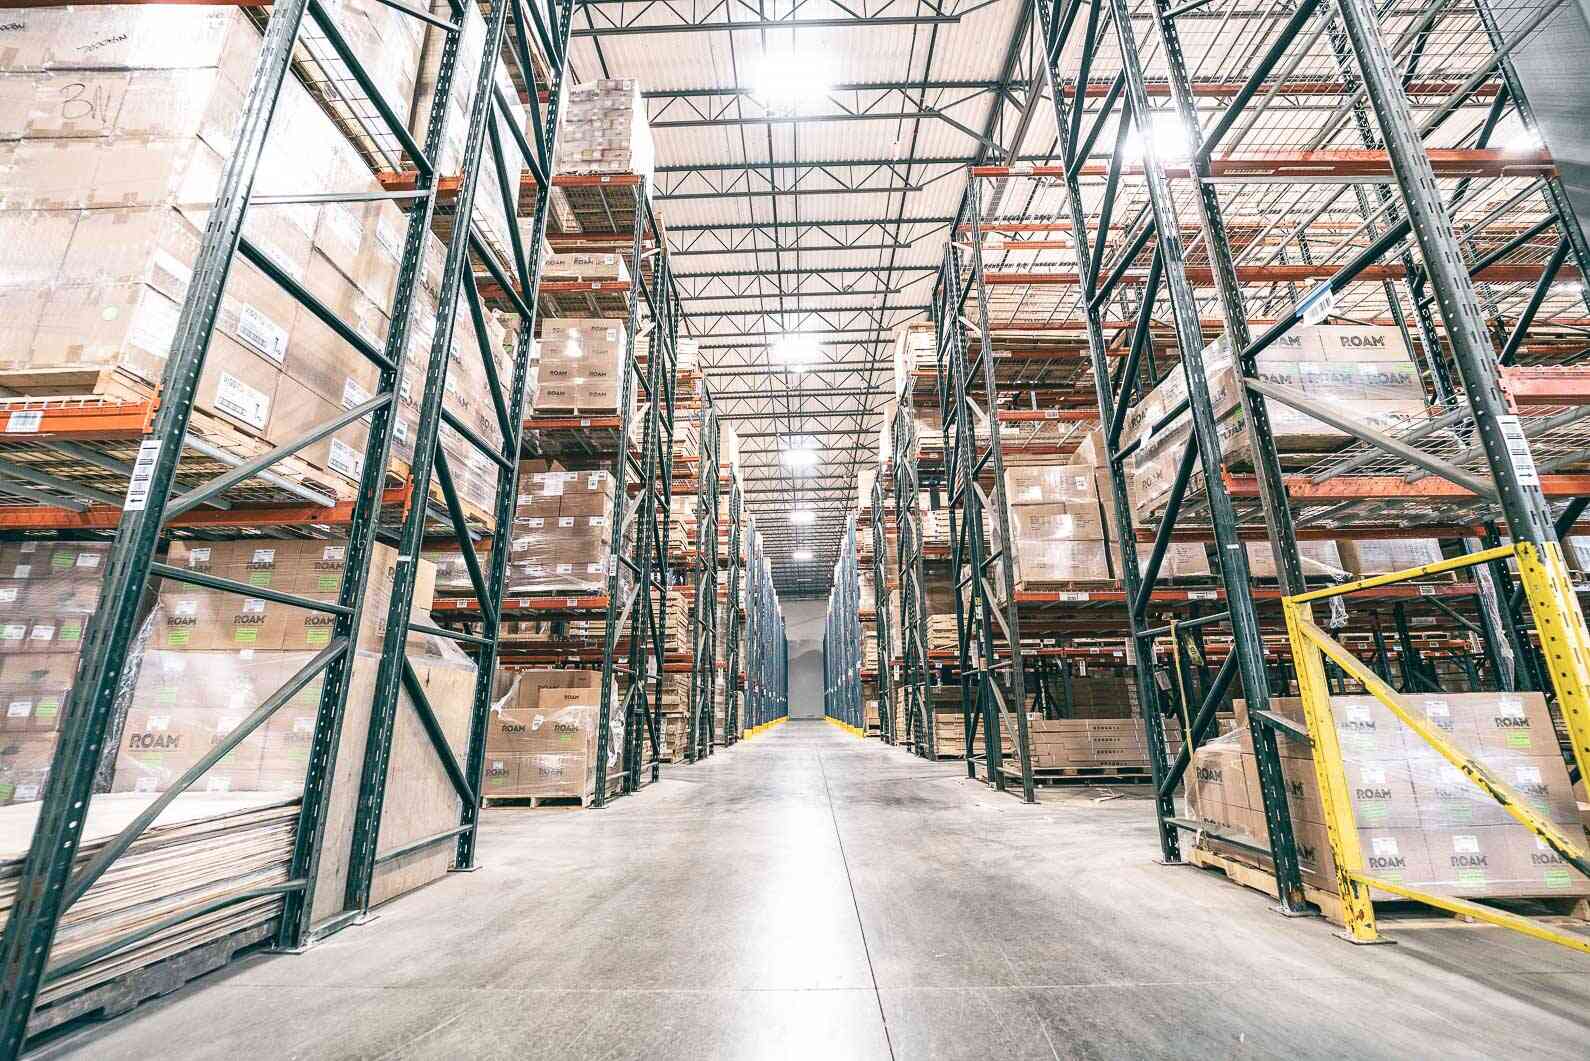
(40, 418)
(108, 517)
(1392, 487)
(1546, 385)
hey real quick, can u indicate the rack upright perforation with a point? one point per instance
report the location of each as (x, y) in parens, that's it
(223, 490)
(842, 697)
(1273, 134)
(704, 609)
(915, 699)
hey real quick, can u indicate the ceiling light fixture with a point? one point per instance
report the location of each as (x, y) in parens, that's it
(800, 457)
(795, 351)
(801, 555)
(802, 516)
(785, 80)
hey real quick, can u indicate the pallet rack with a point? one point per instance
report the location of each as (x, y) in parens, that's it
(766, 642)
(842, 699)
(915, 699)
(735, 614)
(532, 35)
(883, 629)
(1035, 249)
(704, 609)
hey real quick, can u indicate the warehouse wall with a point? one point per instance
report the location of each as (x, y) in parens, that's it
(803, 622)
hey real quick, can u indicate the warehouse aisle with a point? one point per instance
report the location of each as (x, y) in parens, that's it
(812, 895)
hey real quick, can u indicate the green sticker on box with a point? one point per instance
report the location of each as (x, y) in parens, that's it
(319, 635)
(180, 637)
(1471, 877)
(245, 635)
(47, 707)
(71, 630)
(63, 561)
(259, 578)
(1557, 878)
(328, 583)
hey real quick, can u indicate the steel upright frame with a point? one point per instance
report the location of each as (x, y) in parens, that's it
(637, 583)
(733, 687)
(993, 684)
(704, 611)
(916, 700)
(1517, 486)
(842, 698)
(508, 26)
(48, 885)
(883, 630)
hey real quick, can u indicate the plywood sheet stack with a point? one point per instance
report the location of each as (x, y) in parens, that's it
(1420, 822)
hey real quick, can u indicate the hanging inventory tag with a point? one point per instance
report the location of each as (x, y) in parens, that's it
(1518, 450)
(142, 474)
(1317, 304)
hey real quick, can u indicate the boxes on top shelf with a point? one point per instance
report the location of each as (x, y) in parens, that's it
(605, 130)
(582, 365)
(915, 350)
(1367, 370)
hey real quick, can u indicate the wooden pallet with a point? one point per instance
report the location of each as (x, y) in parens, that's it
(152, 981)
(1565, 909)
(537, 802)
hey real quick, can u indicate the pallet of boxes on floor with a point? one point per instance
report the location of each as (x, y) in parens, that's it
(1420, 822)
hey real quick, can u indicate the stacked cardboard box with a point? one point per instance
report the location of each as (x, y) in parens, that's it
(676, 627)
(211, 657)
(595, 266)
(1056, 526)
(541, 735)
(1420, 822)
(562, 532)
(605, 130)
(492, 217)
(1319, 559)
(109, 159)
(1076, 743)
(1365, 369)
(915, 350)
(48, 590)
(1383, 556)
(582, 366)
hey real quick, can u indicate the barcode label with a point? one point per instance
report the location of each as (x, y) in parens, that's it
(1072, 595)
(571, 602)
(1518, 450)
(143, 472)
(1201, 594)
(26, 421)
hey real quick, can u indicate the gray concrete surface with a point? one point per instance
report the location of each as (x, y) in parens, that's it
(812, 895)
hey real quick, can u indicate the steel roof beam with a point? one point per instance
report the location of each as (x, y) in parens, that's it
(721, 226)
(749, 26)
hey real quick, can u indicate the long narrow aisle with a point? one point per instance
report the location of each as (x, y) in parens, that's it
(812, 895)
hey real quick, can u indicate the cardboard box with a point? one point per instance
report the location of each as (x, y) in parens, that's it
(25, 760)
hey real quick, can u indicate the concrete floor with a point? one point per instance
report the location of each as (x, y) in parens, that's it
(812, 895)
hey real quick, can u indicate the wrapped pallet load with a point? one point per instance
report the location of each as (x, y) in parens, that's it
(1056, 526)
(605, 130)
(1421, 822)
(541, 735)
(1364, 370)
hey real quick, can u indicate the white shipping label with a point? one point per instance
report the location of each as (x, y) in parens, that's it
(186, 606)
(25, 421)
(263, 556)
(1386, 847)
(565, 569)
(13, 631)
(565, 521)
(262, 333)
(237, 399)
(8, 595)
(43, 632)
(345, 459)
(1374, 775)
(253, 606)
(22, 571)
(87, 560)
(1518, 450)
(198, 557)
(334, 553)
(1527, 775)
(534, 521)
(143, 472)
(1466, 844)
(19, 709)
(353, 394)
(598, 521)
(1318, 304)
